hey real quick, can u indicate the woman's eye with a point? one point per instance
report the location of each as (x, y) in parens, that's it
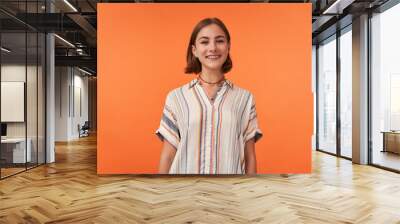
(204, 42)
(220, 41)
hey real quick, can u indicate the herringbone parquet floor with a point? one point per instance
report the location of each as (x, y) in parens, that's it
(69, 191)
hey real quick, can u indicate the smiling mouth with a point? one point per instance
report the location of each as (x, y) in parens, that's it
(213, 56)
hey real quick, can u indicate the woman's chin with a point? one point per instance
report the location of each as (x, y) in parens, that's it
(213, 67)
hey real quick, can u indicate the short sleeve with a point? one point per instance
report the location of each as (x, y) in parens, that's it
(168, 128)
(252, 129)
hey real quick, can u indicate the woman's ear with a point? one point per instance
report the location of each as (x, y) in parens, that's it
(194, 52)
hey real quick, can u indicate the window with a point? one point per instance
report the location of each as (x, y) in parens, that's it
(346, 93)
(385, 88)
(327, 95)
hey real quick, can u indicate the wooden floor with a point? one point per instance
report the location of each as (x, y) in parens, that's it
(69, 191)
(5, 172)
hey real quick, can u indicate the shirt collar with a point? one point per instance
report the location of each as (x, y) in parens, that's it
(196, 81)
(193, 82)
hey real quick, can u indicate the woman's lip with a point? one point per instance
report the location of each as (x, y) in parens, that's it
(216, 56)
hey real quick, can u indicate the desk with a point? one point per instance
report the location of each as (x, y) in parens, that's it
(391, 141)
(13, 150)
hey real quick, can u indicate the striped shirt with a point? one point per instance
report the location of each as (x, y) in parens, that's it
(209, 137)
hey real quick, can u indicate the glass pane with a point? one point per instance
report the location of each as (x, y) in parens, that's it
(327, 96)
(314, 71)
(22, 89)
(386, 89)
(13, 88)
(31, 100)
(31, 84)
(346, 93)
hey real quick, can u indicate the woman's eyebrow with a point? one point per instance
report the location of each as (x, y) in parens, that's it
(207, 38)
(204, 37)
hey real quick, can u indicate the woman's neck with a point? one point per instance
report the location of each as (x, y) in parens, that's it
(211, 76)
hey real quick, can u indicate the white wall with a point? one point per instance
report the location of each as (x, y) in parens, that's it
(16, 73)
(71, 94)
(61, 103)
(81, 85)
(13, 73)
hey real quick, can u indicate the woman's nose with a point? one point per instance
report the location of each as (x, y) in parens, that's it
(212, 46)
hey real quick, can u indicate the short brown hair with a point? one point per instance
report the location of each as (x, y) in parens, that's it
(193, 64)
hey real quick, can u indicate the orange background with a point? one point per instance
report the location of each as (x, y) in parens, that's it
(141, 57)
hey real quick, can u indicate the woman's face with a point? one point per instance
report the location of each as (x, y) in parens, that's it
(211, 47)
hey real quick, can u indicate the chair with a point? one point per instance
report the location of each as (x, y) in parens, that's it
(84, 130)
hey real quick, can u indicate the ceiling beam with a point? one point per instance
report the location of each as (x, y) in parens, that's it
(83, 61)
(337, 7)
(84, 24)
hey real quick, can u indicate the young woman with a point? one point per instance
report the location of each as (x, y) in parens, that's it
(209, 125)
